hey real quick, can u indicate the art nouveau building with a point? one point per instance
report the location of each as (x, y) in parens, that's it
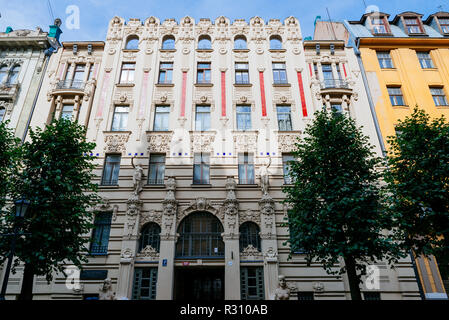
(195, 124)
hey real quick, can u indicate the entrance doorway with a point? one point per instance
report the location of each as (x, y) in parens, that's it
(204, 284)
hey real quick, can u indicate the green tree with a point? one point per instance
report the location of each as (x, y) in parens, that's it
(418, 183)
(57, 179)
(335, 199)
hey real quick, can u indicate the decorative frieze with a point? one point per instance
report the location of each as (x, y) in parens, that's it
(287, 141)
(115, 142)
(202, 141)
(245, 141)
(159, 142)
(251, 253)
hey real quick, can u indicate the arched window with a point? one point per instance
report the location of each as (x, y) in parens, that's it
(204, 43)
(168, 43)
(150, 236)
(13, 75)
(240, 43)
(3, 73)
(132, 43)
(249, 235)
(275, 43)
(200, 236)
(2, 114)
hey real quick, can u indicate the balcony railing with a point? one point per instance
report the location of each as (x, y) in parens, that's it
(71, 84)
(334, 84)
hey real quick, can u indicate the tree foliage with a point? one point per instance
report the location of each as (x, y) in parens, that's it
(418, 183)
(336, 210)
(56, 177)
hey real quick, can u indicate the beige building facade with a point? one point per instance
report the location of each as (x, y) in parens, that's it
(195, 123)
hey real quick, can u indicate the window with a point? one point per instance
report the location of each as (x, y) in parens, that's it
(150, 236)
(327, 75)
(275, 43)
(3, 74)
(251, 283)
(378, 25)
(279, 73)
(161, 118)
(13, 75)
(240, 43)
(203, 75)
(166, 72)
(168, 43)
(425, 60)
(306, 296)
(385, 61)
(286, 160)
(111, 170)
(249, 235)
(132, 43)
(145, 284)
(204, 43)
(396, 96)
(200, 236)
(100, 234)
(336, 107)
(371, 296)
(284, 118)
(127, 74)
(156, 172)
(438, 96)
(91, 72)
(2, 114)
(120, 119)
(243, 118)
(201, 168)
(339, 72)
(241, 73)
(246, 168)
(412, 25)
(202, 118)
(67, 111)
(315, 69)
(444, 24)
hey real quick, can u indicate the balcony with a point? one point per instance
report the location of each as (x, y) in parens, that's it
(9, 91)
(334, 84)
(70, 85)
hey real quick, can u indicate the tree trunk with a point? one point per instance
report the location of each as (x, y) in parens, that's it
(353, 279)
(27, 284)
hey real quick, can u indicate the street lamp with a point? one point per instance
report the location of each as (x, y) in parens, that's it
(21, 209)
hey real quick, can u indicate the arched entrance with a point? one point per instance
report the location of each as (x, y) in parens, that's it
(200, 240)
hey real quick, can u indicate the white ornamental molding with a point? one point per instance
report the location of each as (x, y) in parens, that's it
(249, 216)
(202, 141)
(159, 142)
(115, 29)
(105, 206)
(201, 204)
(245, 141)
(150, 216)
(286, 141)
(115, 142)
(148, 252)
(251, 253)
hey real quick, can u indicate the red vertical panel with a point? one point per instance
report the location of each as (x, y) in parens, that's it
(310, 68)
(262, 94)
(344, 69)
(301, 93)
(183, 94)
(223, 94)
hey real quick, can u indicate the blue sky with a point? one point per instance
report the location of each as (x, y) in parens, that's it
(95, 14)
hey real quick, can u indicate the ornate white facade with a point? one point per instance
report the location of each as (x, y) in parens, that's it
(229, 201)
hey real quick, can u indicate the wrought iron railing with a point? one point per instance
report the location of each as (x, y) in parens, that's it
(159, 181)
(98, 249)
(334, 84)
(200, 245)
(71, 84)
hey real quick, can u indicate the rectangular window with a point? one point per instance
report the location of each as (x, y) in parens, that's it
(315, 69)
(202, 118)
(306, 296)
(284, 118)
(425, 60)
(339, 72)
(378, 26)
(251, 283)
(120, 119)
(156, 172)
(279, 73)
(385, 60)
(438, 96)
(166, 72)
(78, 76)
(444, 24)
(145, 284)
(201, 168)
(396, 97)
(111, 170)
(67, 111)
(100, 234)
(336, 107)
(243, 118)
(371, 296)
(412, 25)
(328, 76)
(127, 73)
(91, 72)
(161, 117)
(246, 168)
(204, 71)
(287, 159)
(241, 73)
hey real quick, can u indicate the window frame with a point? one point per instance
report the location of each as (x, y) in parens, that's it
(129, 72)
(425, 62)
(279, 41)
(166, 71)
(65, 113)
(155, 166)
(130, 39)
(259, 283)
(164, 43)
(120, 118)
(240, 38)
(150, 236)
(280, 72)
(374, 26)
(418, 24)
(200, 117)
(205, 38)
(204, 165)
(285, 170)
(393, 97)
(102, 225)
(249, 235)
(288, 121)
(2, 113)
(139, 278)
(246, 166)
(163, 115)
(205, 72)
(383, 60)
(241, 72)
(444, 26)
(440, 97)
(111, 180)
(246, 117)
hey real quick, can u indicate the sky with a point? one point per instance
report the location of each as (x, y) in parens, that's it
(94, 15)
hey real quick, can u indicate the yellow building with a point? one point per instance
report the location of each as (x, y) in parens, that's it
(406, 63)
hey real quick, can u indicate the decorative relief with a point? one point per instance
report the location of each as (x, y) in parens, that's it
(202, 141)
(245, 141)
(150, 216)
(318, 287)
(250, 253)
(115, 29)
(230, 209)
(169, 26)
(201, 204)
(159, 142)
(271, 255)
(148, 252)
(132, 213)
(249, 216)
(287, 141)
(115, 142)
(105, 206)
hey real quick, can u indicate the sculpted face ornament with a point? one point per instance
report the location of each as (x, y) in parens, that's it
(106, 290)
(283, 291)
(152, 20)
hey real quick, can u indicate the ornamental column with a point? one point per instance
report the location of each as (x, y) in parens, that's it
(165, 274)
